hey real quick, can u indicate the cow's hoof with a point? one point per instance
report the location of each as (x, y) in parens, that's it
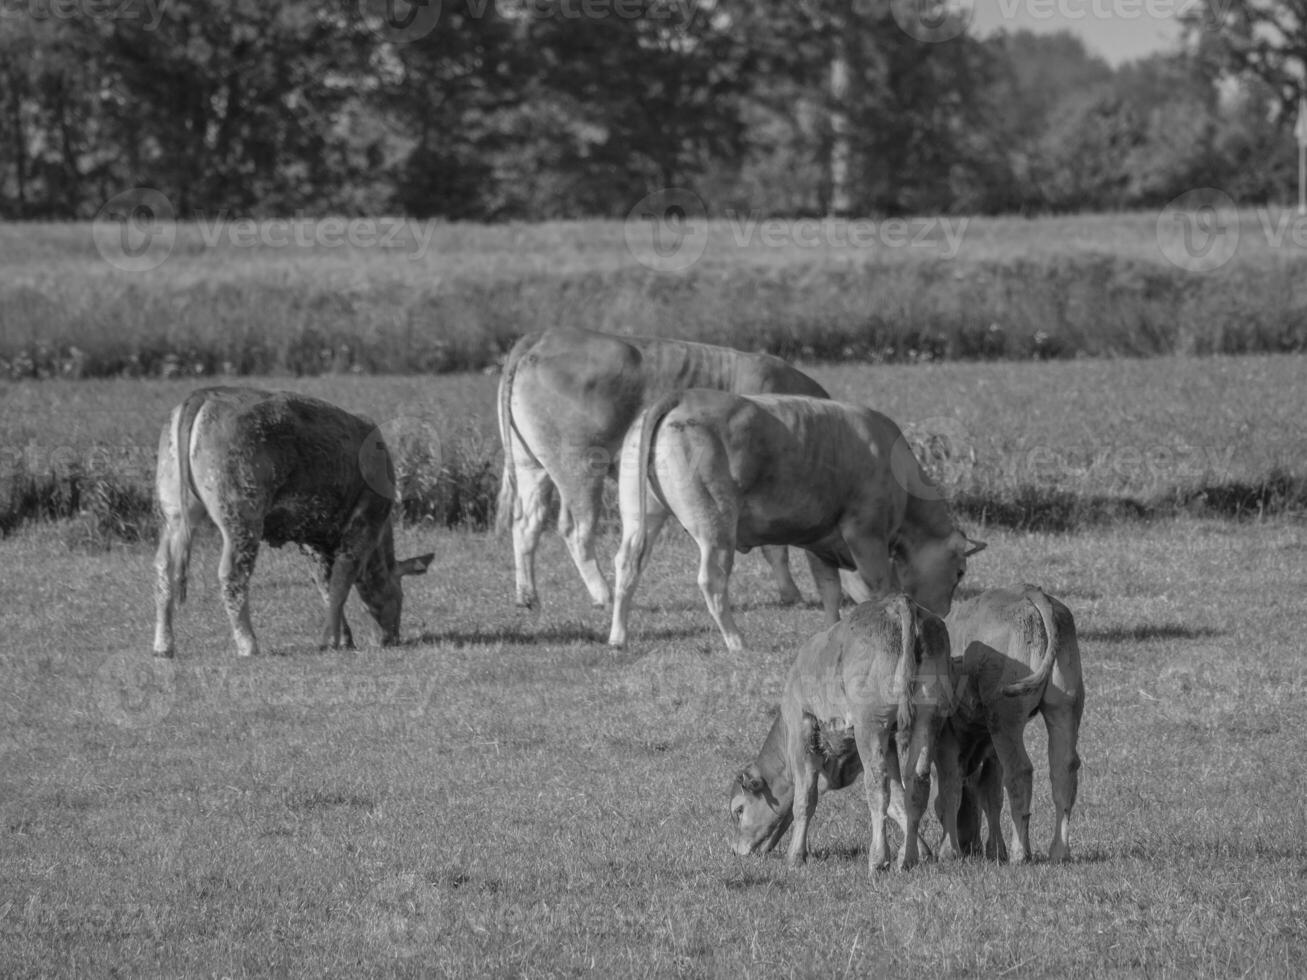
(166, 654)
(1059, 856)
(790, 598)
(525, 602)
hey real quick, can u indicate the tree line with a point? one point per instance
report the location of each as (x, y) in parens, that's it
(536, 109)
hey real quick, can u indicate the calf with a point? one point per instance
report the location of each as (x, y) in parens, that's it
(867, 694)
(1018, 654)
(279, 467)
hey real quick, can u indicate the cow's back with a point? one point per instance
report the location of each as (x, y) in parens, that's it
(579, 389)
(300, 464)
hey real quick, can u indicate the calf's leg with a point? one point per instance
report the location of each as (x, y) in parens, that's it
(873, 745)
(1064, 772)
(530, 511)
(1009, 743)
(806, 766)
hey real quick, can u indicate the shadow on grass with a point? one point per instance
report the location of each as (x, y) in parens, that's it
(525, 634)
(1144, 632)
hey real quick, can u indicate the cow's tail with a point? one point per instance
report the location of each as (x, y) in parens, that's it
(905, 676)
(507, 504)
(179, 553)
(648, 422)
(1036, 681)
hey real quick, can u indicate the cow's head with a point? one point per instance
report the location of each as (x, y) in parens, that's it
(929, 568)
(759, 818)
(380, 589)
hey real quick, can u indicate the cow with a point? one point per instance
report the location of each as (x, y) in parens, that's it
(278, 467)
(868, 694)
(740, 471)
(567, 398)
(1017, 653)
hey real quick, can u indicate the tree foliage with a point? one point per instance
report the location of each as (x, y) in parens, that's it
(528, 109)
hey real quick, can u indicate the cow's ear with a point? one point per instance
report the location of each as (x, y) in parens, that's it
(974, 547)
(415, 566)
(751, 782)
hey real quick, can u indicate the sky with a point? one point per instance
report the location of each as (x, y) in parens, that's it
(1116, 30)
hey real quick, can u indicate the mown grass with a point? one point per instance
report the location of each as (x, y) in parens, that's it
(454, 297)
(1053, 446)
(504, 796)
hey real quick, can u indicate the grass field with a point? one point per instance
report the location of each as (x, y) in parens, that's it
(246, 299)
(504, 796)
(1021, 444)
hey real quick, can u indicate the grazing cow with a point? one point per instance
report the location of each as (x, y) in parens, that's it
(279, 467)
(866, 695)
(1018, 653)
(567, 398)
(838, 480)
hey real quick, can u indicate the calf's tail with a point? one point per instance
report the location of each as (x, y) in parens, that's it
(905, 676)
(1036, 681)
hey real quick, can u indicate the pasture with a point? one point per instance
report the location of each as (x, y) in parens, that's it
(503, 795)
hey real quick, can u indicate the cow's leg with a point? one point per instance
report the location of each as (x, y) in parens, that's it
(716, 559)
(948, 801)
(632, 552)
(805, 764)
(916, 783)
(827, 577)
(1064, 773)
(530, 511)
(580, 498)
(321, 563)
(778, 557)
(171, 565)
(240, 545)
(1010, 744)
(873, 742)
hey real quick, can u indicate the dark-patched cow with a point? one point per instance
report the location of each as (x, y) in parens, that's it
(278, 467)
(868, 694)
(1017, 654)
(741, 471)
(567, 398)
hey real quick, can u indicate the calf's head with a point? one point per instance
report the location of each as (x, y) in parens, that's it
(759, 815)
(379, 585)
(929, 567)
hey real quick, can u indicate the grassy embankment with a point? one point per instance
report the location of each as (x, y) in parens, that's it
(990, 288)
